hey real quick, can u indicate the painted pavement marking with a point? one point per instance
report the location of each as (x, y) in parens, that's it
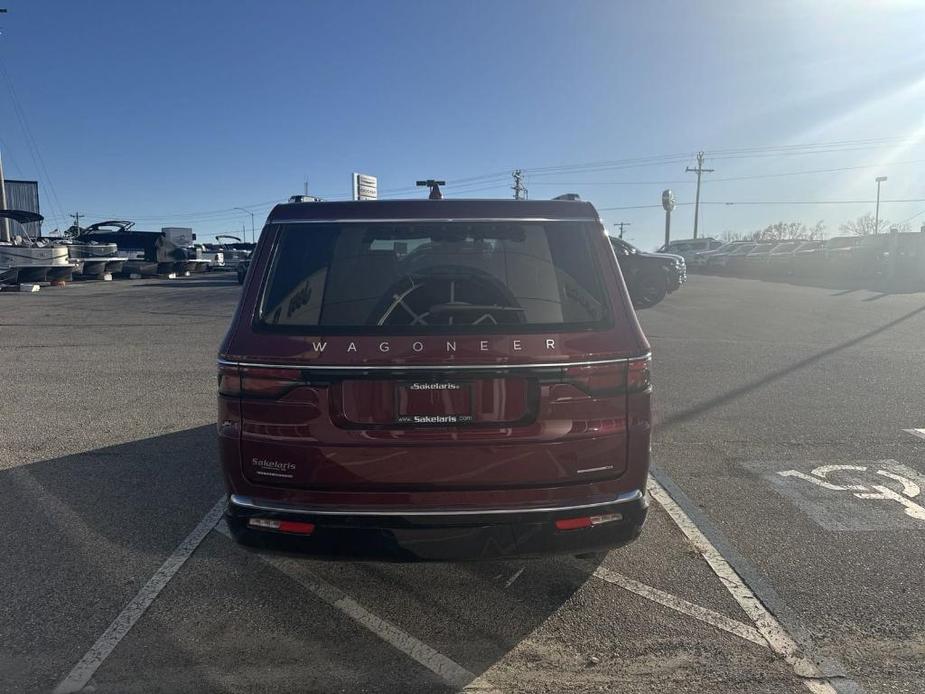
(766, 623)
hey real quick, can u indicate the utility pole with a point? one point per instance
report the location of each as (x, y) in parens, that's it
(306, 189)
(699, 171)
(4, 223)
(520, 191)
(76, 216)
(621, 225)
(252, 216)
(879, 180)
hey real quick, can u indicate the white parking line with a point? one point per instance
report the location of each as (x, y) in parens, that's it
(916, 432)
(673, 602)
(448, 670)
(773, 632)
(78, 677)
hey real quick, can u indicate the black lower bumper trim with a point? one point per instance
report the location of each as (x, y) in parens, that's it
(432, 538)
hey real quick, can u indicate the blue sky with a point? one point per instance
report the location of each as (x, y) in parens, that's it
(173, 113)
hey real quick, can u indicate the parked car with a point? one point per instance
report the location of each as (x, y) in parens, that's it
(808, 260)
(842, 261)
(649, 276)
(434, 379)
(755, 262)
(689, 248)
(780, 259)
(871, 257)
(241, 269)
(906, 260)
(891, 260)
(701, 260)
(719, 261)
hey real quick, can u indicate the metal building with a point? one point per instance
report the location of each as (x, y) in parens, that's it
(23, 195)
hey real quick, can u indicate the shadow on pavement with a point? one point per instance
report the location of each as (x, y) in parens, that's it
(720, 400)
(83, 533)
(192, 282)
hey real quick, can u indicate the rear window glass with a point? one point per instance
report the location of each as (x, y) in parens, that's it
(384, 277)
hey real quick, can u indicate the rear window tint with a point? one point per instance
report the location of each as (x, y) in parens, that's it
(384, 277)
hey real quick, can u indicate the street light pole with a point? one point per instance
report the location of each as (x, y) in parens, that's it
(879, 180)
(252, 220)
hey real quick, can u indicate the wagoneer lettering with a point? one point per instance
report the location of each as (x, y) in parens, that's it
(435, 379)
(538, 344)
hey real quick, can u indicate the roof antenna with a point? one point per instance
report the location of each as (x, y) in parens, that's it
(434, 186)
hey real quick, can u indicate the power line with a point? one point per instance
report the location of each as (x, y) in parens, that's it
(730, 178)
(737, 153)
(767, 202)
(498, 180)
(909, 219)
(30, 140)
(810, 145)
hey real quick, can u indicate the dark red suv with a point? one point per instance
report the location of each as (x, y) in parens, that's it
(435, 379)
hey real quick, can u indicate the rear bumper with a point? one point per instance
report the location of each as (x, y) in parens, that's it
(405, 535)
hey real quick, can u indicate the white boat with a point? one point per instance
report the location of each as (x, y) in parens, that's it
(8, 273)
(233, 253)
(97, 259)
(33, 261)
(216, 258)
(36, 263)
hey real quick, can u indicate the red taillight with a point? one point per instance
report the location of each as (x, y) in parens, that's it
(261, 382)
(603, 379)
(587, 521)
(229, 380)
(610, 379)
(257, 382)
(637, 374)
(284, 526)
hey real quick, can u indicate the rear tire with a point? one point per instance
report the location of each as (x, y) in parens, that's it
(650, 288)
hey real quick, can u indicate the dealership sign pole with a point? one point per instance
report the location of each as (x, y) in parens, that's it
(365, 187)
(667, 203)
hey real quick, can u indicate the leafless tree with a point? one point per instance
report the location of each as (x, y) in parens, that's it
(785, 231)
(866, 224)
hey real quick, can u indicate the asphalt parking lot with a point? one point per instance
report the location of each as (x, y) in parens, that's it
(117, 577)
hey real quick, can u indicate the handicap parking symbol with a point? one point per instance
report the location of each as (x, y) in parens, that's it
(857, 495)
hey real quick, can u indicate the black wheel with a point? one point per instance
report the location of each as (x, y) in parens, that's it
(649, 289)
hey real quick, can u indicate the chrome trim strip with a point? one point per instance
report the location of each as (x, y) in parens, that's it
(258, 505)
(434, 219)
(432, 367)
